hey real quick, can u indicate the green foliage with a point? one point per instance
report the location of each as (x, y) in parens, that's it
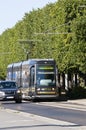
(57, 31)
(77, 93)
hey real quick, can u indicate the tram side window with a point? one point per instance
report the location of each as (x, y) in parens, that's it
(32, 73)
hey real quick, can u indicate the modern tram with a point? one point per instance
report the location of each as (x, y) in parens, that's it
(38, 78)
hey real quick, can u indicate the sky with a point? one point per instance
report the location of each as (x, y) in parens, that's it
(11, 11)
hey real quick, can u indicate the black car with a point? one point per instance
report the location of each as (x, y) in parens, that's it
(11, 91)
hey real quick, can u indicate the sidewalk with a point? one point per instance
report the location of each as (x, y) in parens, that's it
(78, 101)
(15, 120)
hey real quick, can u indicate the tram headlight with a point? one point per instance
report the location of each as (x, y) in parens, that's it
(53, 89)
(38, 89)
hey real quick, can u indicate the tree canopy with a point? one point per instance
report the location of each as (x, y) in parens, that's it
(56, 31)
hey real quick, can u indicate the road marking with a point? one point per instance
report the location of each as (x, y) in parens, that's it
(64, 105)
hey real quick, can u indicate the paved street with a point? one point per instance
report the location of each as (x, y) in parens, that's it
(15, 120)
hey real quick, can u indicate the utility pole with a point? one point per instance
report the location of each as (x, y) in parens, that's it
(30, 42)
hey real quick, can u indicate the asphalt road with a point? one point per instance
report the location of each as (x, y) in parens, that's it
(56, 111)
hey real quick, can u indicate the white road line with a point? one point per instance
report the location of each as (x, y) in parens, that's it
(62, 105)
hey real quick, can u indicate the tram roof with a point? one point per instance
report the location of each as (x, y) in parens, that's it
(33, 61)
(29, 61)
(14, 64)
(10, 65)
(17, 64)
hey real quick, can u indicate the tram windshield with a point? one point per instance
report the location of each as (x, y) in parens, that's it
(46, 75)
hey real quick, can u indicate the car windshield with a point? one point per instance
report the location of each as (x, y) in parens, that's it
(5, 85)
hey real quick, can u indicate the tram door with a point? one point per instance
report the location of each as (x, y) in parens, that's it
(32, 79)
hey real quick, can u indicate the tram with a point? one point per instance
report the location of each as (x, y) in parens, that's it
(37, 78)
